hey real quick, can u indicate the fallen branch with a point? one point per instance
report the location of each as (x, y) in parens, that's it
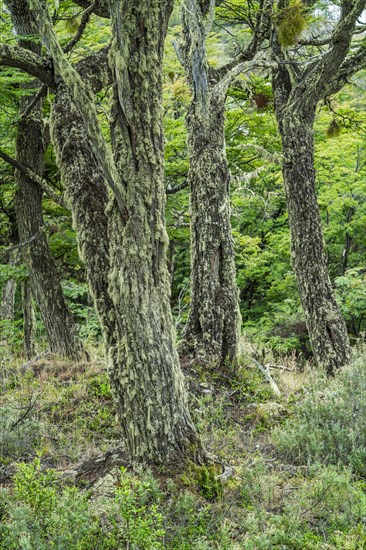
(268, 377)
(280, 367)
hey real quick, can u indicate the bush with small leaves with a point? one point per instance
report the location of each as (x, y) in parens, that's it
(329, 425)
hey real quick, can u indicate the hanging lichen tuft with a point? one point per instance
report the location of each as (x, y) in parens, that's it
(334, 129)
(291, 23)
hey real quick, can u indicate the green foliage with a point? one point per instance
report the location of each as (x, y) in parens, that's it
(351, 294)
(140, 521)
(80, 303)
(329, 425)
(39, 516)
(324, 510)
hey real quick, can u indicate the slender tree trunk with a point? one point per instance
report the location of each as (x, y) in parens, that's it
(8, 299)
(29, 321)
(8, 292)
(327, 329)
(44, 279)
(213, 327)
(147, 380)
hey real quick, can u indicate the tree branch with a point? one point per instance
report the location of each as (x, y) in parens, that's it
(20, 58)
(173, 190)
(260, 33)
(43, 184)
(85, 18)
(320, 73)
(83, 99)
(101, 7)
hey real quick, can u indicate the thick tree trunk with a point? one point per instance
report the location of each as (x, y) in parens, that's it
(327, 329)
(44, 279)
(29, 321)
(145, 375)
(147, 380)
(87, 194)
(213, 327)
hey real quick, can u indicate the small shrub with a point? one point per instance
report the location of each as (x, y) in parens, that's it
(37, 515)
(16, 438)
(329, 425)
(325, 509)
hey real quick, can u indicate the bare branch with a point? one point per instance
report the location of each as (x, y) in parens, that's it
(101, 7)
(42, 92)
(173, 190)
(83, 23)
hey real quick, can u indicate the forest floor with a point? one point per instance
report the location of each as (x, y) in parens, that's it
(65, 481)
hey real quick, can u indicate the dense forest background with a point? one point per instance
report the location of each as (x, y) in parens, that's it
(102, 443)
(269, 301)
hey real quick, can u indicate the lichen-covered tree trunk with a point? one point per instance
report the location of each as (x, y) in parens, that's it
(8, 291)
(7, 300)
(151, 396)
(145, 375)
(327, 329)
(44, 279)
(213, 326)
(87, 194)
(29, 321)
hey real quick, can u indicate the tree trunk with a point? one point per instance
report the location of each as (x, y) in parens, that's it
(327, 329)
(213, 327)
(145, 375)
(29, 321)
(8, 299)
(8, 291)
(151, 396)
(87, 194)
(44, 279)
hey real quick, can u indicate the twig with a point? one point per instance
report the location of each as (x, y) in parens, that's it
(280, 367)
(27, 411)
(21, 245)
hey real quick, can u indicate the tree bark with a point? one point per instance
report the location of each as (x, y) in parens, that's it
(145, 375)
(327, 329)
(151, 396)
(44, 279)
(87, 195)
(213, 327)
(297, 91)
(29, 321)
(8, 291)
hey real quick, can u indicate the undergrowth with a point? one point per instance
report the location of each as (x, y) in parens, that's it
(298, 465)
